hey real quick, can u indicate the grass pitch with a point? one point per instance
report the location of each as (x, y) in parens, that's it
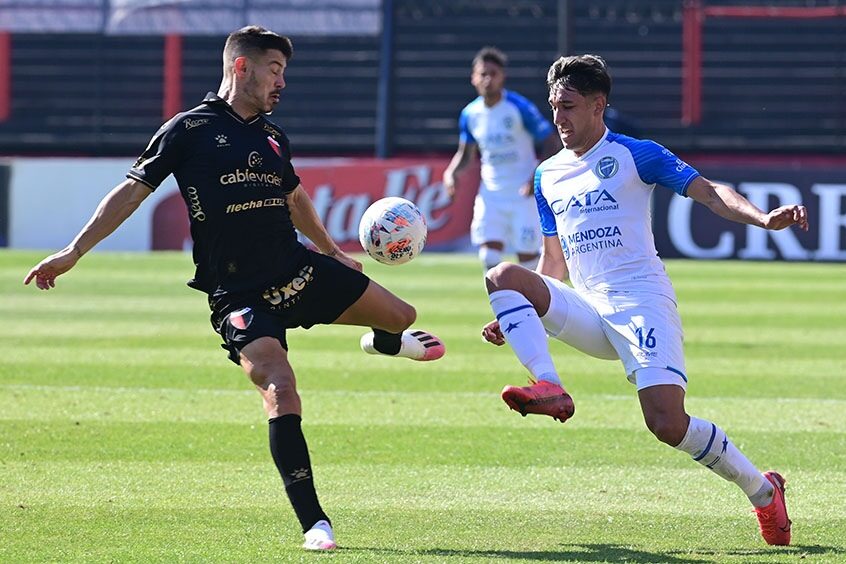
(126, 435)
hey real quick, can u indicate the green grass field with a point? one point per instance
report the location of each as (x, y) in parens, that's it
(126, 435)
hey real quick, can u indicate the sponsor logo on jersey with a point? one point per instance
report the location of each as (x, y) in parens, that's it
(680, 164)
(196, 210)
(248, 176)
(607, 167)
(289, 294)
(590, 240)
(192, 123)
(222, 140)
(270, 129)
(255, 204)
(587, 202)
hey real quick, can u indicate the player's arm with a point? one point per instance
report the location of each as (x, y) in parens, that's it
(465, 154)
(305, 219)
(113, 210)
(728, 203)
(552, 261)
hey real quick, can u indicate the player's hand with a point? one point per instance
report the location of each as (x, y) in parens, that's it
(46, 271)
(527, 190)
(492, 333)
(785, 216)
(344, 258)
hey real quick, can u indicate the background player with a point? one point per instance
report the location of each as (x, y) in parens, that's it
(233, 168)
(503, 127)
(593, 198)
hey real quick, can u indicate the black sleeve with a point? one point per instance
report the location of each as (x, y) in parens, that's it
(161, 157)
(290, 180)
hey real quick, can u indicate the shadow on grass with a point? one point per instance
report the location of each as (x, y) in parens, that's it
(615, 553)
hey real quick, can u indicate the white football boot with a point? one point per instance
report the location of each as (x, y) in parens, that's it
(416, 345)
(320, 537)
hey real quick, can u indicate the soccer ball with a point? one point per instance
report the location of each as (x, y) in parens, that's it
(392, 231)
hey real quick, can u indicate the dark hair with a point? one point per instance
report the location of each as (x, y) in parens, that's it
(490, 55)
(253, 40)
(586, 74)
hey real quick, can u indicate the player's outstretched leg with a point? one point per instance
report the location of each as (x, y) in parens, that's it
(542, 398)
(411, 343)
(320, 537)
(773, 519)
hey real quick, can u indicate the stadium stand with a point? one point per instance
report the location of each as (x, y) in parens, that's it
(767, 84)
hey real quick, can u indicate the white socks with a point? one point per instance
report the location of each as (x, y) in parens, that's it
(490, 257)
(710, 447)
(524, 332)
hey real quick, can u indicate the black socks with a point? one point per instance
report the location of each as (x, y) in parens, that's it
(387, 343)
(290, 453)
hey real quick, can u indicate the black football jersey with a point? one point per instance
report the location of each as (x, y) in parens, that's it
(234, 176)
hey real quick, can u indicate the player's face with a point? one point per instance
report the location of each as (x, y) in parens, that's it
(578, 118)
(488, 78)
(265, 80)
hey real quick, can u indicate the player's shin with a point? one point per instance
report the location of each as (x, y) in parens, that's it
(290, 453)
(524, 332)
(709, 446)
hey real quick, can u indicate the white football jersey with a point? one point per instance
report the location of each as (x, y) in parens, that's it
(599, 207)
(506, 134)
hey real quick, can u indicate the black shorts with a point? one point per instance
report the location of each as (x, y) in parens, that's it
(319, 293)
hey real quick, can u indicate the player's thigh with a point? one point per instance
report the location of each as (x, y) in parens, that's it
(646, 331)
(265, 361)
(245, 325)
(379, 308)
(572, 320)
(525, 227)
(490, 222)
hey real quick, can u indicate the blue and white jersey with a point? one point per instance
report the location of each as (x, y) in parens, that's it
(506, 135)
(599, 207)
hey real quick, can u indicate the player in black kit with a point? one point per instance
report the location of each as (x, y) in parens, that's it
(233, 168)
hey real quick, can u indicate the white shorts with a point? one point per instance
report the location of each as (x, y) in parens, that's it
(513, 222)
(642, 330)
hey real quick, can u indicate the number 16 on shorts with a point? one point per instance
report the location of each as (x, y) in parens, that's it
(645, 337)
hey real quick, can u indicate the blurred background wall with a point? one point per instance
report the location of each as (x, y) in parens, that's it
(755, 90)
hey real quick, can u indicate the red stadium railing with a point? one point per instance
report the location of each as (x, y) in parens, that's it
(694, 17)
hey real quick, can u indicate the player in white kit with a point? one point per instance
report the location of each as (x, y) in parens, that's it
(593, 200)
(502, 127)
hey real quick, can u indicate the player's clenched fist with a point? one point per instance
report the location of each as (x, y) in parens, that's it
(492, 333)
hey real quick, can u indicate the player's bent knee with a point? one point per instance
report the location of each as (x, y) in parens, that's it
(669, 430)
(504, 276)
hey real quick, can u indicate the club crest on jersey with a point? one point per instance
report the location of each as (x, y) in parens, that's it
(254, 159)
(607, 167)
(274, 144)
(241, 319)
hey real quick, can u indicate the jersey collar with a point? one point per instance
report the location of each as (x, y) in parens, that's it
(590, 151)
(212, 99)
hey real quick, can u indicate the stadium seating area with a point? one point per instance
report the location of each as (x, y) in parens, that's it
(767, 84)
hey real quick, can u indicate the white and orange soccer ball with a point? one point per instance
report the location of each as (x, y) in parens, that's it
(392, 230)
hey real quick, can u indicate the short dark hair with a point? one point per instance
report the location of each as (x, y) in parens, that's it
(254, 40)
(586, 74)
(490, 55)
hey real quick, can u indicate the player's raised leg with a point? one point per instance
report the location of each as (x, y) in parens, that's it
(266, 363)
(390, 319)
(518, 297)
(663, 409)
